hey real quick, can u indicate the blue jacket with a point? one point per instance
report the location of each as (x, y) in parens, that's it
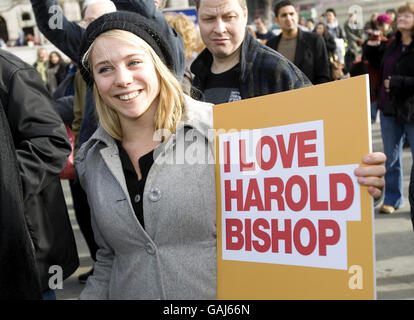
(262, 70)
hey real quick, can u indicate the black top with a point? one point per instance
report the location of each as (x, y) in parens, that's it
(265, 36)
(223, 87)
(135, 186)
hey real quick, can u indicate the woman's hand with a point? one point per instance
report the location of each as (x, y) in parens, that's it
(372, 175)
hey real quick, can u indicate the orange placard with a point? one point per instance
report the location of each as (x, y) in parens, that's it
(292, 221)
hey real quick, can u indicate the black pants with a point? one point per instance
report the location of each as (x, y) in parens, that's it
(83, 215)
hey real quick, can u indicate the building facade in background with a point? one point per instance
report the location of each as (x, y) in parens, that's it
(17, 20)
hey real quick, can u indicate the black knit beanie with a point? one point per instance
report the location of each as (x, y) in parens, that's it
(146, 29)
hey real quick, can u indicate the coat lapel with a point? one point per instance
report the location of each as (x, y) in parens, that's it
(300, 49)
(110, 155)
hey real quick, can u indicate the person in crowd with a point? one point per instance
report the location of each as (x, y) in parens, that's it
(156, 234)
(31, 40)
(355, 40)
(141, 253)
(384, 25)
(38, 147)
(19, 277)
(392, 13)
(332, 24)
(336, 32)
(370, 25)
(234, 65)
(190, 34)
(56, 71)
(262, 33)
(21, 40)
(395, 100)
(336, 67)
(41, 63)
(374, 69)
(310, 24)
(306, 50)
(321, 29)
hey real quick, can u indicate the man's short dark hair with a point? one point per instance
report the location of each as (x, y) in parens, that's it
(331, 10)
(279, 5)
(260, 17)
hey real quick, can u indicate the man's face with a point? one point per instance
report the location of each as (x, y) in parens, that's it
(287, 19)
(330, 17)
(260, 26)
(43, 56)
(222, 26)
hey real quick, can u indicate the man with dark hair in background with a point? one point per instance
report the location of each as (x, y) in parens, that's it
(306, 50)
(262, 33)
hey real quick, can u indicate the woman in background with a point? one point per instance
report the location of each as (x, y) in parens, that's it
(395, 100)
(56, 71)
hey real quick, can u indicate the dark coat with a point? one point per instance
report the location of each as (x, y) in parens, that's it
(19, 277)
(262, 70)
(61, 73)
(311, 56)
(402, 79)
(42, 148)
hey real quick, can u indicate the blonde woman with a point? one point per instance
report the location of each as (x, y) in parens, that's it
(153, 213)
(148, 170)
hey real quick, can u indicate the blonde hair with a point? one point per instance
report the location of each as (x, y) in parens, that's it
(170, 97)
(187, 30)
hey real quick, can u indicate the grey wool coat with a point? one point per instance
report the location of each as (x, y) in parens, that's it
(175, 256)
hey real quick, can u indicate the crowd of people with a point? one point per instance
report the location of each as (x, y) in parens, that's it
(151, 226)
(51, 67)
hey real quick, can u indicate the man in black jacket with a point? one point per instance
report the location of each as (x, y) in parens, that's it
(33, 153)
(305, 49)
(19, 277)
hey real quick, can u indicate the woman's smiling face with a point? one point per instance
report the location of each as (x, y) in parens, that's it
(125, 76)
